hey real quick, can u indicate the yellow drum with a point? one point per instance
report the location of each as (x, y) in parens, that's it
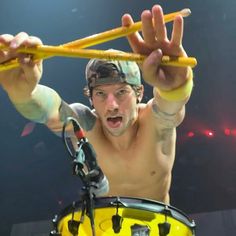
(124, 216)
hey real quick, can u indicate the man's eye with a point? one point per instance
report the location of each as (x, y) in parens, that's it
(121, 92)
(100, 94)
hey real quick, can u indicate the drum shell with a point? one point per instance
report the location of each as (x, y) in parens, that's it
(134, 211)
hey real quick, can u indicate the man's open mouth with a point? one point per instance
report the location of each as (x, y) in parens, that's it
(114, 122)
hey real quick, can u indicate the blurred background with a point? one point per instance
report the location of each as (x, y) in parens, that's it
(36, 179)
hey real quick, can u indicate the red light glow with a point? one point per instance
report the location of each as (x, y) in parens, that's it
(227, 132)
(190, 134)
(233, 132)
(209, 133)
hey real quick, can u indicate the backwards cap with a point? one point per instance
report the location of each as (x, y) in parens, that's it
(100, 72)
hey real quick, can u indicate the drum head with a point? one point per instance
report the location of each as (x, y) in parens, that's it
(125, 216)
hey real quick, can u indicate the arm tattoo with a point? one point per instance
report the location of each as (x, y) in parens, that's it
(32, 111)
(41, 105)
(170, 120)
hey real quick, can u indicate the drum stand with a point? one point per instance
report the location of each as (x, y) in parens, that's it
(87, 195)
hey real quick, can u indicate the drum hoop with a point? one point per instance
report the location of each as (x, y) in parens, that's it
(133, 203)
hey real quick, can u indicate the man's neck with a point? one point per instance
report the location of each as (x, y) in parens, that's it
(125, 140)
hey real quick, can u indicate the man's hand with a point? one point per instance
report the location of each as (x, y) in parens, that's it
(20, 82)
(154, 43)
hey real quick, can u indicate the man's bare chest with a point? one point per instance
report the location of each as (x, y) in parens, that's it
(134, 164)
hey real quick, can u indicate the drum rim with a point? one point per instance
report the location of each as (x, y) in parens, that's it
(179, 214)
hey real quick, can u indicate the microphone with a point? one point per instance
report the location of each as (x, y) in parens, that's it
(99, 185)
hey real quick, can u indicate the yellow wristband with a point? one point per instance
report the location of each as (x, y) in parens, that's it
(180, 93)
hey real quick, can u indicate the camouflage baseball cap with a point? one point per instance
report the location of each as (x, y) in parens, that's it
(99, 72)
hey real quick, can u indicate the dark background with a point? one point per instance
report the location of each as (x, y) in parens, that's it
(35, 171)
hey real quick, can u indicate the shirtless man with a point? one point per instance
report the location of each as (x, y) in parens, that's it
(134, 142)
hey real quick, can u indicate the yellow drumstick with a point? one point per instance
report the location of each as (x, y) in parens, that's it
(94, 40)
(92, 53)
(109, 54)
(117, 32)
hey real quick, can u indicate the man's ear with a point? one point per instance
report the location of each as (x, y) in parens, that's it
(91, 102)
(140, 95)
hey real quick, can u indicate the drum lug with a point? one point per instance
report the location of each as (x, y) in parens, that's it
(167, 211)
(117, 223)
(118, 203)
(54, 233)
(54, 222)
(117, 219)
(164, 228)
(193, 227)
(73, 226)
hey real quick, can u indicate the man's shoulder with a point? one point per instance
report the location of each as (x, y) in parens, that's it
(79, 107)
(144, 109)
(85, 115)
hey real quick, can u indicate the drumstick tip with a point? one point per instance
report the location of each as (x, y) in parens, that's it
(185, 12)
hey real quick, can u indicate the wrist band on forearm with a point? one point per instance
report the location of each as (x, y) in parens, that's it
(178, 94)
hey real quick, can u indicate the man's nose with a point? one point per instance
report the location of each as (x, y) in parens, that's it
(111, 102)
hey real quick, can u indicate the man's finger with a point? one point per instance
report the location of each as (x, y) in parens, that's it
(134, 39)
